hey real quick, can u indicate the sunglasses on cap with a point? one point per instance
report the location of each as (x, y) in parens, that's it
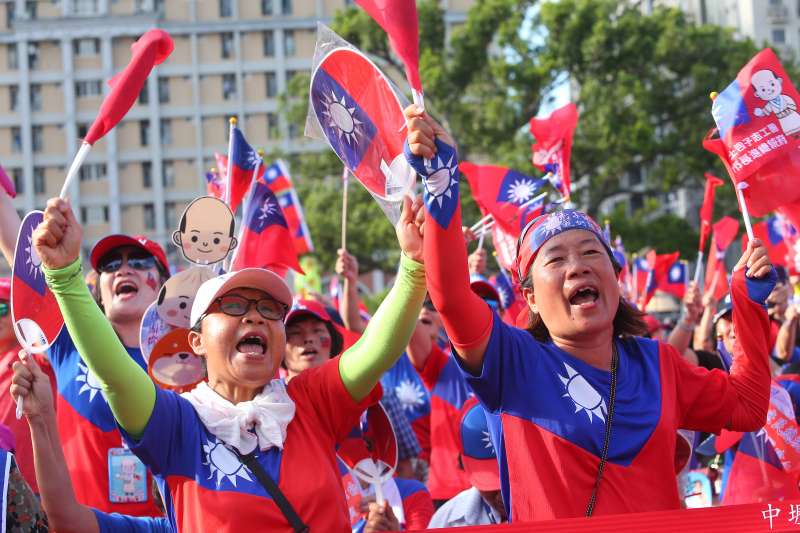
(136, 260)
(235, 305)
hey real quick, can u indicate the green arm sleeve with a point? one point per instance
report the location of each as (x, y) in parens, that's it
(387, 334)
(129, 391)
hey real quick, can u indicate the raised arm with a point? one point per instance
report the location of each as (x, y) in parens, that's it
(681, 335)
(347, 268)
(787, 334)
(467, 319)
(127, 388)
(64, 513)
(387, 334)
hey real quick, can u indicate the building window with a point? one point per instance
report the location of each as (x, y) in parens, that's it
(19, 182)
(85, 7)
(30, 9)
(36, 97)
(778, 35)
(288, 43)
(225, 8)
(266, 7)
(144, 132)
(37, 138)
(272, 85)
(83, 129)
(286, 7)
(273, 127)
(149, 217)
(38, 180)
(165, 131)
(88, 88)
(16, 139)
(227, 45)
(147, 174)
(11, 13)
(167, 174)
(228, 86)
(13, 58)
(170, 215)
(33, 55)
(92, 172)
(163, 90)
(86, 47)
(269, 43)
(13, 97)
(95, 214)
(144, 96)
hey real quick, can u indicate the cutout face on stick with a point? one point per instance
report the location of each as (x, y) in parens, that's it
(175, 299)
(173, 365)
(206, 233)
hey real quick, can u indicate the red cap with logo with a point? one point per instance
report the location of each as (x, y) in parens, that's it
(314, 309)
(112, 242)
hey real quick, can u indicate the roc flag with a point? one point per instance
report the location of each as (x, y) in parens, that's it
(511, 300)
(276, 178)
(769, 232)
(244, 161)
(675, 280)
(265, 238)
(553, 146)
(295, 218)
(759, 129)
(512, 198)
(659, 268)
(399, 20)
(506, 247)
(707, 209)
(214, 185)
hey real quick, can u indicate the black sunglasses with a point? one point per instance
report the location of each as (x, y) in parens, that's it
(235, 305)
(137, 261)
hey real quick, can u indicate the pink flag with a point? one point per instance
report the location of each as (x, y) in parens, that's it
(398, 18)
(151, 49)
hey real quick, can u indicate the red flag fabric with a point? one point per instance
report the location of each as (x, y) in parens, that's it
(776, 247)
(506, 247)
(707, 209)
(241, 180)
(512, 198)
(660, 265)
(214, 185)
(674, 281)
(149, 50)
(725, 230)
(716, 274)
(758, 127)
(265, 238)
(554, 144)
(398, 18)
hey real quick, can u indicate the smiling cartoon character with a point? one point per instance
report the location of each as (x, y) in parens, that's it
(769, 87)
(173, 365)
(175, 298)
(206, 231)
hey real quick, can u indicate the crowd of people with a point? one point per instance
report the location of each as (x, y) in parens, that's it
(579, 405)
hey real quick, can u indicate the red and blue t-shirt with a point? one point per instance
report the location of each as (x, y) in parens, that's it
(205, 486)
(403, 379)
(448, 391)
(88, 431)
(117, 523)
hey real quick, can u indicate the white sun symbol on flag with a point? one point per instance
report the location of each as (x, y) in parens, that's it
(268, 208)
(439, 178)
(553, 223)
(487, 440)
(675, 273)
(32, 258)
(341, 117)
(89, 380)
(410, 394)
(520, 191)
(582, 394)
(223, 463)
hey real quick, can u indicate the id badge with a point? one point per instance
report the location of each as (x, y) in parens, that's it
(127, 477)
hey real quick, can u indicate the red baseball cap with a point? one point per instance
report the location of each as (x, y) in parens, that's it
(5, 289)
(112, 242)
(477, 450)
(314, 309)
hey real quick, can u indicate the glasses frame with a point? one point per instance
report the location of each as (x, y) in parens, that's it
(250, 303)
(126, 259)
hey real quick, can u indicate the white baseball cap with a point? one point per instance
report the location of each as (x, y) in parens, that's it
(249, 278)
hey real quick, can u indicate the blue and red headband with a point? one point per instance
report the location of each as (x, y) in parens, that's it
(543, 228)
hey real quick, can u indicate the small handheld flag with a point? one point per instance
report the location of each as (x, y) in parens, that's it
(554, 145)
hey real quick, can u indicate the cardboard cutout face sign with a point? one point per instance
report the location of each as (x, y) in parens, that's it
(175, 299)
(206, 233)
(173, 365)
(152, 329)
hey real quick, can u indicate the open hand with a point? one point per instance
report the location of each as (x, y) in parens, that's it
(58, 238)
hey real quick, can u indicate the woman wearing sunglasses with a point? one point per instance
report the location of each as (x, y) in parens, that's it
(585, 412)
(243, 451)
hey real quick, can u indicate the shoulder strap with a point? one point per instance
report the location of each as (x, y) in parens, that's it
(272, 489)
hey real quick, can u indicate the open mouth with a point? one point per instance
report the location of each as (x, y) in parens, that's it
(584, 295)
(310, 353)
(126, 288)
(252, 344)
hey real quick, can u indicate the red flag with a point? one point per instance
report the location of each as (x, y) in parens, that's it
(674, 281)
(554, 144)
(241, 180)
(398, 18)
(725, 230)
(265, 238)
(506, 247)
(512, 198)
(660, 265)
(776, 248)
(707, 209)
(758, 125)
(149, 50)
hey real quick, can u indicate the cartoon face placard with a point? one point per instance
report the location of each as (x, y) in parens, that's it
(151, 331)
(206, 232)
(174, 303)
(173, 365)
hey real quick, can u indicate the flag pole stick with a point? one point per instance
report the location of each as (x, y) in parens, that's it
(345, 182)
(698, 267)
(745, 213)
(80, 157)
(482, 221)
(232, 122)
(480, 240)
